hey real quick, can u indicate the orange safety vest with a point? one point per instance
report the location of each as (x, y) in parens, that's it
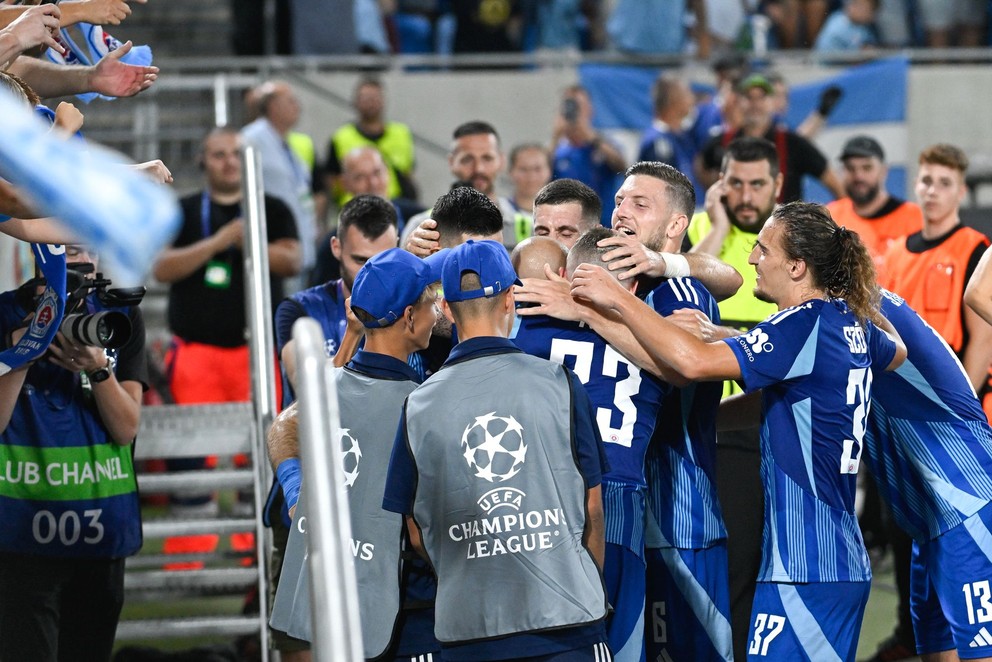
(933, 282)
(878, 233)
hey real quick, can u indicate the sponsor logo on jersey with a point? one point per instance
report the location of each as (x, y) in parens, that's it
(755, 342)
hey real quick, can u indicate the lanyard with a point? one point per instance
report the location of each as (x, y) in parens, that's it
(298, 172)
(205, 214)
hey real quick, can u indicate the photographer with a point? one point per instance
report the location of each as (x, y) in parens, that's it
(68, 497)
(581, 153)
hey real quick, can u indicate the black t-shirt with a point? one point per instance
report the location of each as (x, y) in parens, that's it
(801, 158)
(216, 315)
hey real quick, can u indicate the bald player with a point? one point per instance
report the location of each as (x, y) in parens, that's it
(530, 257)
(627, 402)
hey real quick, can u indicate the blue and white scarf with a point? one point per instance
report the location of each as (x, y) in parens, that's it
(98, 43)
(47, 314)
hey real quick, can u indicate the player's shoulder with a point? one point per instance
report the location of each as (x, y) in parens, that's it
(805, 314)
(680, 293)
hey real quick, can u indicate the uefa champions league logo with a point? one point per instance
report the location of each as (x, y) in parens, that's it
(351, 455)
(494, 447)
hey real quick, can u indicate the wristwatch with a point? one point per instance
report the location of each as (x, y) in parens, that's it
(103, 374)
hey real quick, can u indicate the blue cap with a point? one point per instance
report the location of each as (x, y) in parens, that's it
(392, 280)
(488, 259)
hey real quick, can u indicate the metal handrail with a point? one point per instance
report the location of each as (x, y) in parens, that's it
(261, 349)
(336, 628)
(273, 65)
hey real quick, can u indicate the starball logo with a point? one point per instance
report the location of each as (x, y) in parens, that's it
(351, 456)
(493, 446)
(494, 450)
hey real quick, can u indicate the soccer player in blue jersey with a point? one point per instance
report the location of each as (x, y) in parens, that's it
(929, 445)
(627, 402)
(686, 559)
(812, 363)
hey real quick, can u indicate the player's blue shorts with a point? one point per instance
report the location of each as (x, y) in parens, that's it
(688, 605)
(623, 573)
(817, 622)
(951, 589)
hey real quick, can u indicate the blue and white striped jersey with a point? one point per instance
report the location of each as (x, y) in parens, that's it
(813, 362)
(681, 461)
(928, 440)
(627, 402)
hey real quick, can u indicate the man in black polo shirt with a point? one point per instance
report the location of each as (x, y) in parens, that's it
(796, 155)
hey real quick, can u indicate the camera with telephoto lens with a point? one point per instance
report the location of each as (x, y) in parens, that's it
(108, 328)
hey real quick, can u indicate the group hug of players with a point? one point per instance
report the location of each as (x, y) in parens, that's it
(571, 513)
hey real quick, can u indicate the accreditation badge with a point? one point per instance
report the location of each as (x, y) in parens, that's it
(217, 275)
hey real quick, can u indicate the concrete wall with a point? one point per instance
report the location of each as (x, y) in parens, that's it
(946, 103)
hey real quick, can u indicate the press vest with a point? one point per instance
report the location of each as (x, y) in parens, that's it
(500, 499)
(395, 146)
(302, 146)
(932, 282)
(66, 489)
(877, 234)
(369, 408)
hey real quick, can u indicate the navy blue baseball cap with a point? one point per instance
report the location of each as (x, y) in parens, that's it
(488, 259)
(392, 280)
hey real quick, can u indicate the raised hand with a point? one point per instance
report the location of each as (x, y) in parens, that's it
(632, 256)
(114, 78)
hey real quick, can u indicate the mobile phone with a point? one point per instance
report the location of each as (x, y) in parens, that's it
(570, 109)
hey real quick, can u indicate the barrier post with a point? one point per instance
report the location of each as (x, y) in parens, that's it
(337, 635)
(261, 347)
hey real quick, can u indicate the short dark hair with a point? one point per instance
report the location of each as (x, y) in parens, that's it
(751, 150)
(683, 196)
(464, 210)
(474, 128)
(370, 214)
(477, 307)
(563, 191)
(586, 248)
